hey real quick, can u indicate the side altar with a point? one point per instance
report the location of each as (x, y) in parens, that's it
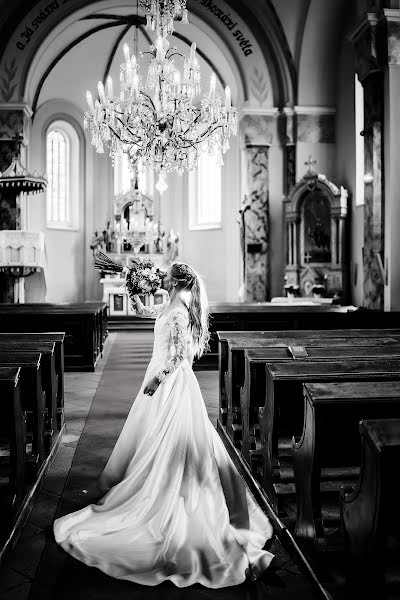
(316, 254)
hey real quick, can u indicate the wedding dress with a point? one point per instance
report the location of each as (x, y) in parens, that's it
(176, 508)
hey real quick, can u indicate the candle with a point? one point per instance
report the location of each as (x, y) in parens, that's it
(192, 54)
(110, 90)
(177, 80)
(129, 74)
(102, 95)
(127, 55)
(228, 99)
(213, 83)
(135, 83)
(89, 99)
(133, 62)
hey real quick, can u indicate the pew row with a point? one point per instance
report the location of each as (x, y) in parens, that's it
(14, 351)
(264, 316)
(252, 394)
(238, 342)
(85, 327)
(333, 411)
(57, 338)
(13, 438)
(370, 514)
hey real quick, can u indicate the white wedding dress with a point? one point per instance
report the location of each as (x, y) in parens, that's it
(176, 508)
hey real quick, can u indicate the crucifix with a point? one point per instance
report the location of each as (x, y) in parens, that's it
(307, 257)
(310, 163)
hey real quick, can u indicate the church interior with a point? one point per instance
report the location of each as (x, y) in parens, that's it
(283, 197)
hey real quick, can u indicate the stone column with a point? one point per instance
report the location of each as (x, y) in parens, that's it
(260, 132)
(288, 140)
(367, 40)
(258, 275)
(14, 134)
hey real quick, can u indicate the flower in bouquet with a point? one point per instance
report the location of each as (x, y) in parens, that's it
(143, 277)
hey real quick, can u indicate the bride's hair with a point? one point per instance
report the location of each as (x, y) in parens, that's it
(189, 280)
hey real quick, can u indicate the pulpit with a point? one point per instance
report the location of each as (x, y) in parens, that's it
(315, 224)
(22, 253)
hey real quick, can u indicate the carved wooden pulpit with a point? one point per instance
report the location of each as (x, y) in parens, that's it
(315, 218)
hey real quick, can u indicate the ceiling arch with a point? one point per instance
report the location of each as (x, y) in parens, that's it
(278, 75)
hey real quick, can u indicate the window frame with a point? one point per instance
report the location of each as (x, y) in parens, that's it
(194, 194)
(73, 169)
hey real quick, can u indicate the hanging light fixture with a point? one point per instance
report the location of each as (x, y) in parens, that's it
(161, 120)
(160, 14)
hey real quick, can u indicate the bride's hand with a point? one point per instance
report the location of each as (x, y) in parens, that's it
(151, 387)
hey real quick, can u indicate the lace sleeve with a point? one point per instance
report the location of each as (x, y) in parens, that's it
(178, 322)
(147, 312)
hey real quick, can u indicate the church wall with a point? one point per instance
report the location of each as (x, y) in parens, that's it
(346, 168)
(213, 253)
(64, 273)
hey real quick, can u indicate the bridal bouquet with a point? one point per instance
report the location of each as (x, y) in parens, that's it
(142, 278)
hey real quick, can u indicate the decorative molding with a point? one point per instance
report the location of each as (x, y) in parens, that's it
(314, 110)
(393, 36)
(260, 129)
(15, 122)
(368, 45)
(316, 128)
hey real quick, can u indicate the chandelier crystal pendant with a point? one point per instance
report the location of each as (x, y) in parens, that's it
(160, 15)
(160, 120)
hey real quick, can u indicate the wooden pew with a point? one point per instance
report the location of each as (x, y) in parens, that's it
(266, 316)
(282, 413)
(252, 394)
(370, 514)
(47, 349)
(241, 340)
(12, 431)
(33, 398)
(58, 339)
(84, 324)
(328, 451)
(234, 378)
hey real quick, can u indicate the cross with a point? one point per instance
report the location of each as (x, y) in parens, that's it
(310, 163)
(307, 257)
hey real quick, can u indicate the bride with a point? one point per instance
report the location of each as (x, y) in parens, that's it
(175, 507)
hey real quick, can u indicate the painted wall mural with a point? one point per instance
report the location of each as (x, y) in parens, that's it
(258, 274)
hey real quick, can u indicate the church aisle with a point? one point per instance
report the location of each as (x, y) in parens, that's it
(96, 408)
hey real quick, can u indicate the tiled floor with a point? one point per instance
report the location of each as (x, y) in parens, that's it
(38, 569)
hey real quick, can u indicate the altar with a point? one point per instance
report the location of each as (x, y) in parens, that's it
(115, 294)
(135, 232)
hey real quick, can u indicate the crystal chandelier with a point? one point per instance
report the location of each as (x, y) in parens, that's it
(160, 120)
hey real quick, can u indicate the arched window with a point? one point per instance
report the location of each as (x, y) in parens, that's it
(359, 142)
(123, 177)
(205, 194)
(62, 167)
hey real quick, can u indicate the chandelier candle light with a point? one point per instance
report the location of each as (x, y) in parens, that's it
(161, 122)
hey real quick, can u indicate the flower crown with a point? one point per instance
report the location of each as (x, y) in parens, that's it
(183, 272)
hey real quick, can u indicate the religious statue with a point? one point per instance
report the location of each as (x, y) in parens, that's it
(172, 246)
(97, 243)
(242, 226)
